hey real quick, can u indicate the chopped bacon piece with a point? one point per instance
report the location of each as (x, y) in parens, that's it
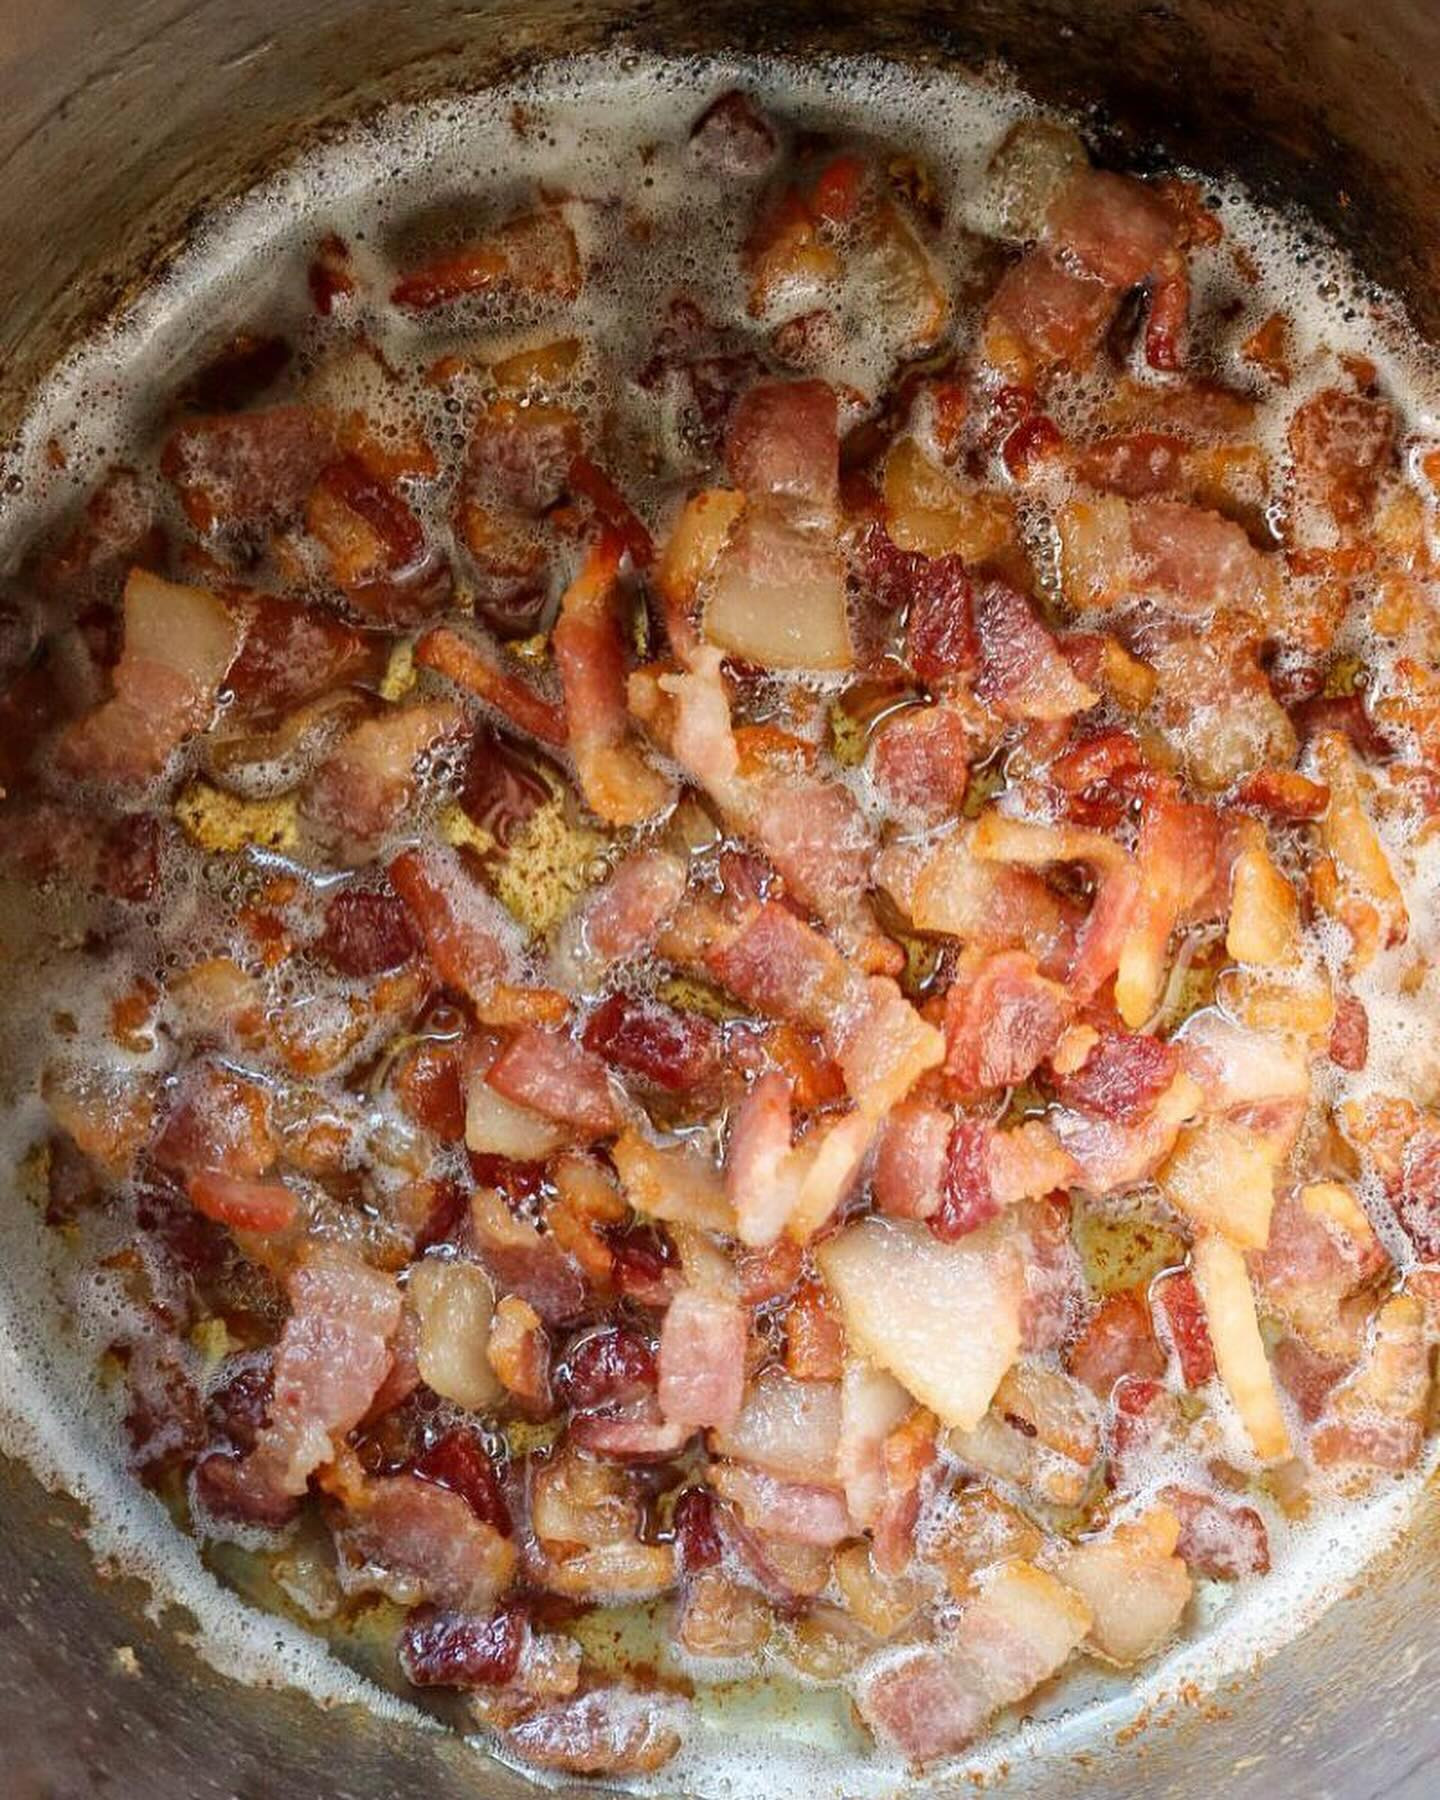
(1377, 1417)
(551, 1073)
(944, 1319)
(1002, 1019)
(678, 1182)
(967, 1195)
(941, 639)
(814, 1336)
(332, 1357)
(795, 1512)
(1134, 1583)
(460, 1649)
(1199, 561)
(615, 512)
(362, 789)
(1178, 1299)
(618, 783)
(219, 1120)
(702, 1359)
(525, 1263)
(366, 932)
(1177, 854)
(988, 1170)
(1122, 1077)
(676, 1052)
(1345, 713)
(463, 929)
(636, 1431)
(756, 1162)
(1100, 941)
(242, 1204)
(459, 1461)
(911, 1164)
(468, 666)
(783, 443)
(1110, 1155)
(921, 762)
(415, 1540)
(1222, 1543)
(521, 456)
(933, 1701)
(697, 1537)
(1119, 1341)
(610, 1365)
(777, 595)
(1285, 793)
(788, 1427)
(734, 135)
(1321, 1250)
(247, 469)
(608, 1731)
(1118, 228)
(1350, 1035)
(179, 643)
(376, 544)
(1136, 464)
(292, 653)
(165, 1420)
(1043, 316)
(1022, 672)
(534, 253)
(779, 965)
(1341, 445)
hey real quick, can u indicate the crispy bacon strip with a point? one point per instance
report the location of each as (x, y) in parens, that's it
(462, 661)
(464, 930)
(616, 780)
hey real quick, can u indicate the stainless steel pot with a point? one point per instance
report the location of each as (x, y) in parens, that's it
(118, 119)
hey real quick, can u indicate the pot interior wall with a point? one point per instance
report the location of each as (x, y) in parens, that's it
(117, 123)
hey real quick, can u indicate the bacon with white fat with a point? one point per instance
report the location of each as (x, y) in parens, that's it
(622, 916)
(1178, 855)
(1099, 942)
(362, 789)
(1377, 1417)
(774, 1187)
(702, 1358)
(1322, 1249)
(179, 643)
(333, 1355)
(813, 831)
(414, 1540)
(776, 595)
(795, 1512)
(787, 1427)
(781, 966)
(1017, 1633)
(553, 1075)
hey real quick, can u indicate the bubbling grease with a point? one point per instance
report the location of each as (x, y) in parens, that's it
(585, 129)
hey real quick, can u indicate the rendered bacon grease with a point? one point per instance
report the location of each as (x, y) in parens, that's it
(735, 860)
